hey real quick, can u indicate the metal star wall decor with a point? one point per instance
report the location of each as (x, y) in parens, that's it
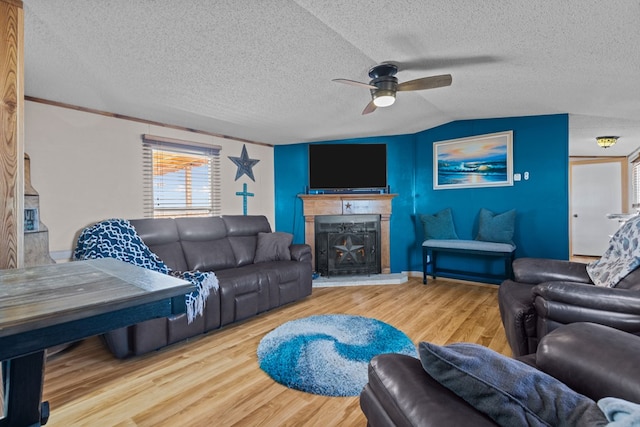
(245, 164)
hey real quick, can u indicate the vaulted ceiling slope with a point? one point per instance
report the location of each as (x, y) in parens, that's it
(262, 70)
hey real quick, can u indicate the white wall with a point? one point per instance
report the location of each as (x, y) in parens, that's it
(88, 167)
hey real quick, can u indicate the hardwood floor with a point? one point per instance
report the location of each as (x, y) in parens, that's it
(215, 379)
(583, 258)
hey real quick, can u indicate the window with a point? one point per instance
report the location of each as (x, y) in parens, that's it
(181, 178)
(635, 181)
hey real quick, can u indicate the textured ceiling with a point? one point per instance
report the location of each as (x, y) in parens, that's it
(262, 70)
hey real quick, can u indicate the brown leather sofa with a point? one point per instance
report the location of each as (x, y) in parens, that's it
(228, 246)
(594, 360)
(547, 293)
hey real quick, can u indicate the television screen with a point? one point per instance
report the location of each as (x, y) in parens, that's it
(345, 167)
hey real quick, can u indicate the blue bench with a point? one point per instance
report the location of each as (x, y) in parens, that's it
(432, 247)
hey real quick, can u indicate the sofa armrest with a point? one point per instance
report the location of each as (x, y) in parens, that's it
(630, 281)
(518, 316)
(590, 296)
(561, 303)
(538, 270)
(592, 359)
(400, 393)
(300, 252)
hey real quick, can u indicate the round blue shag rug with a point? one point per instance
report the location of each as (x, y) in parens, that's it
(328, 354)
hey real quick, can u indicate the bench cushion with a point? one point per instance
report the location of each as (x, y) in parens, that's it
(474, 245)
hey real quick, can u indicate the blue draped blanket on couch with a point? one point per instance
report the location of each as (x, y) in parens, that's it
(117, 238)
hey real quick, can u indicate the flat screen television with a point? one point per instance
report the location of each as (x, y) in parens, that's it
(347, 168)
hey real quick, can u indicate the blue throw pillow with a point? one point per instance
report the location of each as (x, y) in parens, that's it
(439, 225)
(498, 228)
(511, 392)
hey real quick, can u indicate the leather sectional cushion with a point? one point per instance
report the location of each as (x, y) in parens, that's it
(211, 255)
(244, 249)
(246, 225)
(161, 236)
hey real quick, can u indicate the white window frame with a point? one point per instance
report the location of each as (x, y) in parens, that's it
(210, 153)
(635, 182)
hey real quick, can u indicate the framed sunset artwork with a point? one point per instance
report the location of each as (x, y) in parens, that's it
(478, 161)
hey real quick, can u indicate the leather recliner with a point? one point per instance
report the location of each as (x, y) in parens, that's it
(548, 293)
(594, 360)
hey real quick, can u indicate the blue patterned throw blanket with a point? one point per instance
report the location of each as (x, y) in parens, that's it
(117, 238)
(620, 413)
(621, 258)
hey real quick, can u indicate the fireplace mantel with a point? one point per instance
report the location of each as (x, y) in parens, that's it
(349, 204)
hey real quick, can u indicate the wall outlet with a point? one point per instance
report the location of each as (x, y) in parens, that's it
(526, 176)
(517, 177)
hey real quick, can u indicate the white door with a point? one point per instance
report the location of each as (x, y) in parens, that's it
(596, 190)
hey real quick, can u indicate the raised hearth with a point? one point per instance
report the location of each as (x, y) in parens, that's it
(361, 280)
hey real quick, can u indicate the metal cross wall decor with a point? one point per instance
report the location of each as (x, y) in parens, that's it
(244, 195)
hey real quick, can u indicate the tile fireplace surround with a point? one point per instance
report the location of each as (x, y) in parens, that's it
(349, 204)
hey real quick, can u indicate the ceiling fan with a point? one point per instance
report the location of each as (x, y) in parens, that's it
(384, 85)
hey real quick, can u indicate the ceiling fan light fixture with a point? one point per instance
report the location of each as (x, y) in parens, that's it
(384, 85)
(384, 98)
(606, 141)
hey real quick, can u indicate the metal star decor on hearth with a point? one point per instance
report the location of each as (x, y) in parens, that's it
(349, 250)
(245, 164)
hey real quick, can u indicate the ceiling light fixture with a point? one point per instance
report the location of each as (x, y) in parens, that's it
(606, 141)
(384, 98)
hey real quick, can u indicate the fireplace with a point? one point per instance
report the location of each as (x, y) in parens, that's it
(347, 244)
(316, 206)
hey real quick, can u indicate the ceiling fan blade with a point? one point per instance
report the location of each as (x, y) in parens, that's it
(354, 83)
(443, 62)
(370, 108)
(426, 83)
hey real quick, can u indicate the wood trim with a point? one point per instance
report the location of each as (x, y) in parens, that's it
(16, 3)
(153, 138)
(587, 160)
(11, 135)
(596, 157)
(624, 174)
(139, 120)
(624, 187)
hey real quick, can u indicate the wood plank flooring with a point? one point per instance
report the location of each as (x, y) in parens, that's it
(214, 380)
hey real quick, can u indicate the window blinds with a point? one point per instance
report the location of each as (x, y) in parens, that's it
(635, 181)
(181, 178)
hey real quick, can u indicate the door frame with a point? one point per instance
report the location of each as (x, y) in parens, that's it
(624, 187)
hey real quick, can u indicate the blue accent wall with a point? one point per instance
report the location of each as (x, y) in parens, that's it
(540, 147)
(291, 179)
